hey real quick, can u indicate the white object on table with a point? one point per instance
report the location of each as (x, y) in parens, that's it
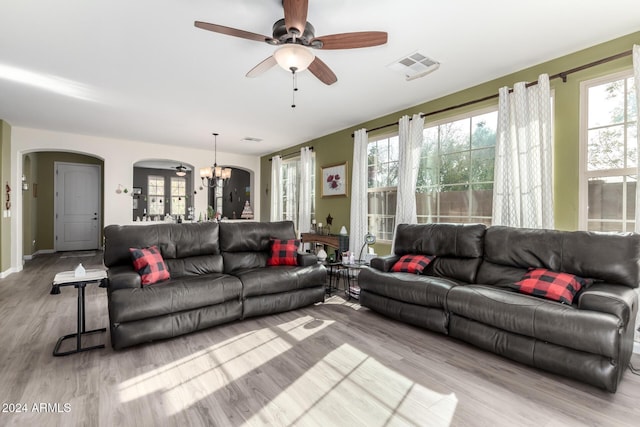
(70, 277)
(80, 271)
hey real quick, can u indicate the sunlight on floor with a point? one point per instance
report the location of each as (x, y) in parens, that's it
(303, 327)
(185, 381)
(350, 387)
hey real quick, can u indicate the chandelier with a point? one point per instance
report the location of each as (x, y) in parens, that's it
(215, 175)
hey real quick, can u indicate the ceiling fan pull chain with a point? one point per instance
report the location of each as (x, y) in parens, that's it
(295, 86)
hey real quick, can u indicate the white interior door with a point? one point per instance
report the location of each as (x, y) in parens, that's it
(77, 206)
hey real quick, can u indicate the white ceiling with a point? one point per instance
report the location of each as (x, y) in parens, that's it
(140, 70)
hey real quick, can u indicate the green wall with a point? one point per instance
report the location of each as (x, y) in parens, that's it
(5, 172)
(338, 147)
(45, 229)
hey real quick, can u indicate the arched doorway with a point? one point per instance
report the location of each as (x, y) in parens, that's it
(38, 201)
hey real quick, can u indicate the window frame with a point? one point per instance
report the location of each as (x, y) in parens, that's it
(454, 118)
(161, 196)
(287, 163)
(384, 191)
(583, 173)
(469, 115)
(175, 196)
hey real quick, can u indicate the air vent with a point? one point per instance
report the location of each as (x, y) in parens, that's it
(414, 66)
(251, 139)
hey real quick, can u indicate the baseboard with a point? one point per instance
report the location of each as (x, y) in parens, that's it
(8, 272)
(36, 253)
(636, 347)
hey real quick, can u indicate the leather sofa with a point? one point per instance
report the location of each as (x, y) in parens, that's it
(219, 274)
(467, 292)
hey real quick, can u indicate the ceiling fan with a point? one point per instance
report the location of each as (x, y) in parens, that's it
(295, 36)
(181, 170)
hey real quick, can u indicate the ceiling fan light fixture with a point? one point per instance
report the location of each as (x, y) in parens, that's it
(294, 57)
(181, 170)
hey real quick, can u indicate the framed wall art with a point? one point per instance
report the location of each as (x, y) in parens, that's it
(334, 180)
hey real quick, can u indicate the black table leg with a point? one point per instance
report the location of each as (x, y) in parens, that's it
(81, 328)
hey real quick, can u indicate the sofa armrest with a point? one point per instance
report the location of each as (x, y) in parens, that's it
(123, 277)
(618, 300)
(384, 263)
(307, 259)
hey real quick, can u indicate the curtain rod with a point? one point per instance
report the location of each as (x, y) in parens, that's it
(562, 75)
(293, 153)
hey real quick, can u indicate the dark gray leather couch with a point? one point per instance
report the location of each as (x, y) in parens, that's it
(218, 274)
(465, 292)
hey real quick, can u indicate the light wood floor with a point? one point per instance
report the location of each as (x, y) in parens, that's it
(332, 364)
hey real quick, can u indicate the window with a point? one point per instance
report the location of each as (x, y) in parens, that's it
(156, 194)
(178, 196)
(608, 153)
(382, 160)
(290, 183)
(455, 178)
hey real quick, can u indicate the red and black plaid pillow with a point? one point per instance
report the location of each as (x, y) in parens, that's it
(553, 285)
(412, 264)
(283, 252)
(149, 264)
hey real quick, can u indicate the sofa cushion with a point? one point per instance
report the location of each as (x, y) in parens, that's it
(458, 247)
(253, 236)
(415, 289)
(412, 264)
(545, 320)
(609, 257)
(278, 279)
(149, 264)
(173, 296)
(283, 252)
(549, 284)
(174, 240)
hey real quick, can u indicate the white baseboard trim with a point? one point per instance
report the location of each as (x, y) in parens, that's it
(636, 347)
(8, 272)
(36, 253)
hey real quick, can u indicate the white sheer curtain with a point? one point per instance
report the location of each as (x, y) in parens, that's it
(359, 204)
(636, 77)
(276, 188)
(523, 186)
(304, 193)
(410, 136)
(289, 197)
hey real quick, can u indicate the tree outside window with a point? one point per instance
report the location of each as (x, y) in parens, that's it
(455, 178)
(610, 144)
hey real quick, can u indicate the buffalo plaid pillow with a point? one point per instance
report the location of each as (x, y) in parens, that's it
(412, 264)
(283, 252)
(149, 264)
(553, 285)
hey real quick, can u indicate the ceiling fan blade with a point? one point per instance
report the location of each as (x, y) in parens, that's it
(232, 31)
(295, 14)
(352, 40)
(322, 72)
(262, 67)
